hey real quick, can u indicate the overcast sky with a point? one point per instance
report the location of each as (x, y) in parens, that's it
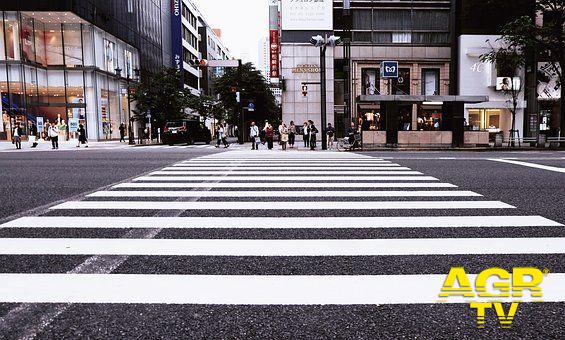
(243, 24)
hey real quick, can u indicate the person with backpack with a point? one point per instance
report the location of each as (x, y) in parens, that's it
(330, 133)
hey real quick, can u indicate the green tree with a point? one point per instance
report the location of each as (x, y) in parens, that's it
(162, 96)
(509, 61)
(207, 107)
(547, 41)
(253, 88)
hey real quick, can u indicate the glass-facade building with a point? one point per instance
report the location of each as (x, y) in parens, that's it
(71, 61)
(59, 68)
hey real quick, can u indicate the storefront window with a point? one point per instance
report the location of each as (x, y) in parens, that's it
(115, 112)
(28, 40)
(88, 45)
(430, 118)
(73, 44)
(30, 86)
(491, 120)
(2, 45)
(53, 44)
(104, 114)
(110, 58)
(40, 55)
(371, 119)
(128, 61)
(371, 81)
(11, 35)
(401, 85)
(430, 82)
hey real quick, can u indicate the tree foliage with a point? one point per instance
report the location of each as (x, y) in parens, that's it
(547, 41)
(253, 88)
(162, 96)
(509, 60)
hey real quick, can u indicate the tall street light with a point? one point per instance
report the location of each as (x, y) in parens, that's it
(323, 43)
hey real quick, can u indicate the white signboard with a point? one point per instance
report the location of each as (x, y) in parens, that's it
(548, 82)
(307, 15)
(73, 124)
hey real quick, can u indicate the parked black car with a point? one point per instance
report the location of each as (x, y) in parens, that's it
(186, 131)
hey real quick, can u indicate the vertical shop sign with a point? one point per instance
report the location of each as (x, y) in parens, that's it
(274, 53)
(274, 41)
(176, 33)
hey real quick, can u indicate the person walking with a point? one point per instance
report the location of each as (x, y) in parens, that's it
(17, 136)
(122, 132)
(283, 131)
(33, 135)
(291, 134)
(305, 134)
(330, 133)
(224, 137)
(270, 135)
(312, 131)
(53, 134)
(82, 136)
(254, 136)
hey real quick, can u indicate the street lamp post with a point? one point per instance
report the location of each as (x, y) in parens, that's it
(323, 43)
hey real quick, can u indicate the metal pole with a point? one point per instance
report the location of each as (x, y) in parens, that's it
(323, 94)
(239, 107)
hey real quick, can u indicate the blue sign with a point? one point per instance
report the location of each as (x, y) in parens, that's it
(176, 33)
(251, 107)
(389, 69)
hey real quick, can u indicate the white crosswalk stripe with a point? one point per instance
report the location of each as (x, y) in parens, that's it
(342, 205)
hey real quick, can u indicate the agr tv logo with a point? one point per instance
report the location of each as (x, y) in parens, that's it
(489, 294)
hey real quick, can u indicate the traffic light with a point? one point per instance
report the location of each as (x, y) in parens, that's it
(198, 63)
(304, 90)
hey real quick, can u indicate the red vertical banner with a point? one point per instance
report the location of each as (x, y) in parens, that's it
(274, 50)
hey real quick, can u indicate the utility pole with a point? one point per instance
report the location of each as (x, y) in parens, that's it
(323, 94)
(239, 107)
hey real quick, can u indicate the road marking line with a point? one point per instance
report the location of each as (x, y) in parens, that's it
(311, 185)
(282, 222)
(288, 247)
(287, 167)
(316, 194)
(241, 289)
(531, 165)
(362, 205)
(277, 172)
(297, 179)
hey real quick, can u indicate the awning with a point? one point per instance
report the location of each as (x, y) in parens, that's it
(420, 99)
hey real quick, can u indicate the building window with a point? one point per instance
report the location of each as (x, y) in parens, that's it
(371, 81)
(11, 35)
(128, 63)
(401, 38)
(430, 82)
(110, 59)
(401, 85)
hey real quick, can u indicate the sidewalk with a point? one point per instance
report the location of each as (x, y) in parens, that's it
(63, 145)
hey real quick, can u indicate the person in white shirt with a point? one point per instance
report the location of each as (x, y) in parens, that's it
(254, 136)
(53, 134)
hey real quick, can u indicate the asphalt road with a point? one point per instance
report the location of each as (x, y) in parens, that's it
(33, 180)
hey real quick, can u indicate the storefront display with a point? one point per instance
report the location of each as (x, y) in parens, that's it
(429, 118)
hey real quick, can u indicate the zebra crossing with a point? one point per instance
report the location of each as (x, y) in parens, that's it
(338, 203)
